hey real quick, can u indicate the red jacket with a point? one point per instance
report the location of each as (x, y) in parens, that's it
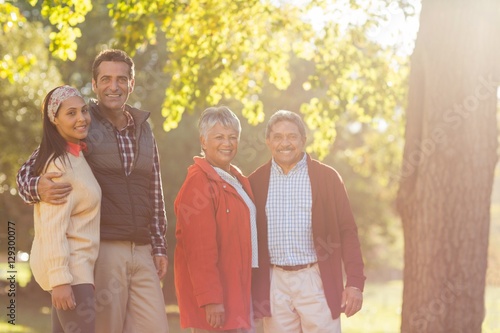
(213, 253)
(334, 231)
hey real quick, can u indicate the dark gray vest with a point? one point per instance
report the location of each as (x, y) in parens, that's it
(126, 209)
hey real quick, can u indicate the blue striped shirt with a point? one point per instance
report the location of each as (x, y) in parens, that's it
(288, 209)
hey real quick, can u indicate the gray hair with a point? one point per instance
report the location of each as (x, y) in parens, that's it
(218, 115)
(284, 115)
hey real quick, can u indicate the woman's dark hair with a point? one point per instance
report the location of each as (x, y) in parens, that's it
(53, 145)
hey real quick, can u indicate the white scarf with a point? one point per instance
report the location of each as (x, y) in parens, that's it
(251, 207)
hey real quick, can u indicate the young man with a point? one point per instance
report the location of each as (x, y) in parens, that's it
(122, 152)
(306, 231)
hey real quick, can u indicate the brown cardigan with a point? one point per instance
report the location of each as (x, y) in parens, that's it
(334, 231)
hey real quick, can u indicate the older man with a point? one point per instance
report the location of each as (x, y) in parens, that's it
(306, 231)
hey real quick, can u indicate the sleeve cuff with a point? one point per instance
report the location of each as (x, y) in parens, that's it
(159, 251)
(33, 189)
(358, 283)
(210, 297)
(59, 276)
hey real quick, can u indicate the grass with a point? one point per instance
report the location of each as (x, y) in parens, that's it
(491, 323)
(380, 314)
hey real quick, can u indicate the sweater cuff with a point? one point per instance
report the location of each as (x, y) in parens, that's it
(59, 275)
(358, 283)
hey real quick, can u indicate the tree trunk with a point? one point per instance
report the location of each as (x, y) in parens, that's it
(448, 165)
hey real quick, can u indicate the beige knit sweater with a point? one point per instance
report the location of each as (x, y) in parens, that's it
(66, 240)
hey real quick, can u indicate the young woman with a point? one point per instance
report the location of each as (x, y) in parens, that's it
(66, 239)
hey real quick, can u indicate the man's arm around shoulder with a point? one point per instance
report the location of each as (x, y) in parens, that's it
(33, 189)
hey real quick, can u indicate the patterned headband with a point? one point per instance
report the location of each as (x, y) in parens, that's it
(58, 96)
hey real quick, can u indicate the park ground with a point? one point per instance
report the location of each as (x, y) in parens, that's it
(381, 311)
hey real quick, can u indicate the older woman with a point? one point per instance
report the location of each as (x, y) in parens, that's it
(216, 234)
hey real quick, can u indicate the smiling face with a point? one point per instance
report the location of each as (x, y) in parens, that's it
(286, 144)
(220, 145)
(113, 85)
(73, 119)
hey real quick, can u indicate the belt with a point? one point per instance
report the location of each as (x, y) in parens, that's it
(294, 268)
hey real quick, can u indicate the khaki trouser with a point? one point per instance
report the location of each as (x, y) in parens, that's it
(298, 303)
(128, 295)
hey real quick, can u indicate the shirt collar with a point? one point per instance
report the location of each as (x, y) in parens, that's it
(300, 164)
(130, 120)
(75, 148)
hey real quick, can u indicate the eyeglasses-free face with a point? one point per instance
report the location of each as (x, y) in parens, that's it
(286, 144)
(73, 119)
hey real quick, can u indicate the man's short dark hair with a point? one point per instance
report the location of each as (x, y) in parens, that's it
(112, 55)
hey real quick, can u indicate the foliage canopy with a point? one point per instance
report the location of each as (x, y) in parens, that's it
(255, 56)
(228, 50)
